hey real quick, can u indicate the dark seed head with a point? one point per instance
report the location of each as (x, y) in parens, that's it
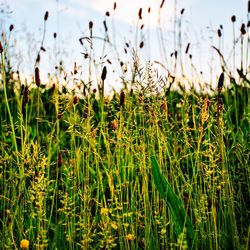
(105, 26)
(59, 116)
(219, 33)
(248, 9)
(122, 98)
(149, 9)
(141, 44)
(75, 100)
(114, 7)
(182, 11)
(162, 3)
(243, 29)
(107, 13)
(140, 13)
(54, 35)
(11, 27)
(248, 24)
(104, 73)
(46, 16)
(221, 81)
(37, 77)
(233, 18)
(187, 48)
(1, 48)
(59, 159)
(38, 58)
(91, 25)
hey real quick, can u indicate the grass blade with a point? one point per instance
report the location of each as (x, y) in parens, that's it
(174, 203)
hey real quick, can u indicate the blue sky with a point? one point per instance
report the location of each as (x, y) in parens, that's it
(69, 19)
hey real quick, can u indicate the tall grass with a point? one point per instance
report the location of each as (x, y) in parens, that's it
(76, 173)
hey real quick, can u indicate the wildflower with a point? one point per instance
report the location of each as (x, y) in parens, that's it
(114, 225)
(130, 237)
(104, 211)
(24, 244)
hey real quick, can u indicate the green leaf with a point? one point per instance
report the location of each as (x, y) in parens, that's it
(174, 203)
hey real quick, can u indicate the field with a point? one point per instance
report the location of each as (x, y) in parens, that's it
(150, 167)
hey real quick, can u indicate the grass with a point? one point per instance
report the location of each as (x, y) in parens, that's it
(111, 173)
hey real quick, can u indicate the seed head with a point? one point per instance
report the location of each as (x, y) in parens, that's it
(114, 7)
(1, 48)
(182, 11)
(59, 159)
(46, 16)
(248, 9)
(38, 58)
(141, 44)
(162, 4)
(90, 25)
(105, 26)
(243, 29)
(37, 77)
(11, 27)
(221, 81)
(233, 18)
(187, 48)
(104, 73)
(219, 33)
(122, 98)
(54, 35)
(114, 124)
(75, 100)
(140, 13)
(107, 13)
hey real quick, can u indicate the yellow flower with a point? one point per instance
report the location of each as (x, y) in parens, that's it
(24, 244)
(130, 237)
(104, 211)
(114, 225)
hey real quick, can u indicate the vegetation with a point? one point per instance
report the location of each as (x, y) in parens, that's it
(150, 167)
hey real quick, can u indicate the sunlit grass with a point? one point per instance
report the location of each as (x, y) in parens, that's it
(137, 170)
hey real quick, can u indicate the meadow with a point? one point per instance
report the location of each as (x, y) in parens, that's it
(151, 167)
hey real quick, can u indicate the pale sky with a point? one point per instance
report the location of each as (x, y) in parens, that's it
(70, 18)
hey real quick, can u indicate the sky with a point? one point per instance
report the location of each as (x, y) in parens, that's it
(70, 18)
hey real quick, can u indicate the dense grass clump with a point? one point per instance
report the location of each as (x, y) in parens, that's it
(141, 169)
